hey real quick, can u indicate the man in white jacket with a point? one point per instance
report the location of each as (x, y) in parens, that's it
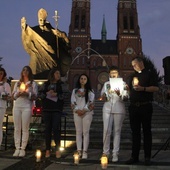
(113, 111)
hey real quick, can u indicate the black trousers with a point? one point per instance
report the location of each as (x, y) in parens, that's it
(141, 115)
(52, 122)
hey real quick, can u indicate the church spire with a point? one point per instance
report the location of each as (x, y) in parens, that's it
(103, 32)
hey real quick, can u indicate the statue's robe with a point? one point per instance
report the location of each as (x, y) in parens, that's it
(47, 49)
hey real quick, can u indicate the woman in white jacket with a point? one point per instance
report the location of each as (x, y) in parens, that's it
(5, 93)
(24, 93)
(113, 111)
(82, 100)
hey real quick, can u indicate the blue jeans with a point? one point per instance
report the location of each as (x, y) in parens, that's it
(52, 122)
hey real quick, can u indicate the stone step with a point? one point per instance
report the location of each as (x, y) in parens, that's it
(160, 127)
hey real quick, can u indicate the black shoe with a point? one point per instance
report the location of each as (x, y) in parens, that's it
(132, 161)
(147, 161)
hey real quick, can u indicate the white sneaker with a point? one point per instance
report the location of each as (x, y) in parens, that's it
(115, 158)
(84, 156)
(16, 153)
(22, 153)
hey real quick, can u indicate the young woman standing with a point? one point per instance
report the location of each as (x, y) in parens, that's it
(5, 93)
(24, 93)
(82, 100)
(52, 99)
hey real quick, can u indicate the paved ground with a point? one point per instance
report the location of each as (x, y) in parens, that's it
(160, 162)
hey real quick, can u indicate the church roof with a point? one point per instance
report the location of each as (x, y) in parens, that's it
(109, 47)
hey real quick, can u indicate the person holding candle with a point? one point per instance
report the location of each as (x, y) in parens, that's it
(52, 106)
(5, 93)
(24, 93)
(113, 111)
(82, 103)
(140, 108)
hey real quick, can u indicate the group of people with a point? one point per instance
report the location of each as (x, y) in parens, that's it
(140, 94)
(24, 94)
(138, 90)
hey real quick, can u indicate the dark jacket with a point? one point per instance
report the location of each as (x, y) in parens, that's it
(47, 104)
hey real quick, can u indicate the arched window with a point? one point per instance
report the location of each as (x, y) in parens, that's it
(76, 24)
(83, 21)
(125, 23)
(131, 22)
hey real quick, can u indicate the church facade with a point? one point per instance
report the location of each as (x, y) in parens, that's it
(95, 56)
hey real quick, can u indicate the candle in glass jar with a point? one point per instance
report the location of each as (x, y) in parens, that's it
(76, 158)
(38, 156)
(104, 162)
(22, 87)
(135, 81)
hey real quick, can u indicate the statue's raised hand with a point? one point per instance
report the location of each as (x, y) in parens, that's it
(23, 23)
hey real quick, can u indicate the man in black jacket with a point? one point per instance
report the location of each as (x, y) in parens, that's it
(142, 84)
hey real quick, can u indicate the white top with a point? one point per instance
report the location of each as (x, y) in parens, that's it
(24, 101)
(5, 89)
(115, 103)
(78, 100)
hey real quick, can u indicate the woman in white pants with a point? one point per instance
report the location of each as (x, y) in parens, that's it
(113, 113)
(5, 93)
(24, 92)
(82, 99)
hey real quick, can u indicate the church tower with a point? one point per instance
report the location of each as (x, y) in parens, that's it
(79, 29)
(80, 39)
(95, 56)
(128, 36)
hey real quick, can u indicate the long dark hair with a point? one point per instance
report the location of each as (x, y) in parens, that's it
(51, 77)
(30, 74)
(4, 75)
(87, 86)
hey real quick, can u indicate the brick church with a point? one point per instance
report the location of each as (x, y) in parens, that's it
(95, 56)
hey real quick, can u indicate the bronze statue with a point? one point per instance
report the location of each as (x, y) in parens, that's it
(47, 47)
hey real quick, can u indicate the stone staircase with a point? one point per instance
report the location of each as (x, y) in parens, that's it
(160, 127)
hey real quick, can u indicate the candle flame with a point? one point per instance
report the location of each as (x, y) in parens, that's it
(38, 154)
(104, 162)
(76, 158)
(135, 81)
(22, 87)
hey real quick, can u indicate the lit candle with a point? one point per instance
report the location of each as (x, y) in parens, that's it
(56, 13)
(76, 158)
(22, 87)
(135, 81)
(38, 156)
(100, 98)
(104, 162)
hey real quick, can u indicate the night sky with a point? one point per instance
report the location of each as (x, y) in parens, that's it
(153, 16)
